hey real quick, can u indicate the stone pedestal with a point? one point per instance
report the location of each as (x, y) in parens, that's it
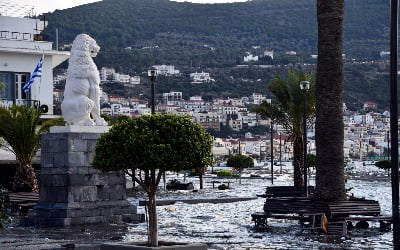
(71, 191)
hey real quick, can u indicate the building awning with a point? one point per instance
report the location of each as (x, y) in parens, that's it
(57, 56)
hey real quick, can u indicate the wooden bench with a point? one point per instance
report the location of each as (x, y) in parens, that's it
(353, 207)
(385, 222)
(308, 210)
(286, 191)
(284, 208)
(357, 210)
(22, 201)
(261, 219)
(299, 205)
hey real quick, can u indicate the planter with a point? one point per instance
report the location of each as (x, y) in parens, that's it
(162, 246)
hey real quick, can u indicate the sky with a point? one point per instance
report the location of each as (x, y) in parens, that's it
(36, 7)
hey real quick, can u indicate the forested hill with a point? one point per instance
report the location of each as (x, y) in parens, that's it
(215, 35)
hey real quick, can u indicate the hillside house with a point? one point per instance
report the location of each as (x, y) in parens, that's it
(172, 96)
(209, 120)
(166, 70)
(370, 106)
(201, 77)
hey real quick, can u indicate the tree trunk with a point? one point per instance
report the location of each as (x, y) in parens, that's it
(201, 180)
(153, 227)
(25, 179)
(133, 174)
(298, 161)
(330, 184)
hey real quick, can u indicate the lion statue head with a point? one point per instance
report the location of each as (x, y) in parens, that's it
(83, 49)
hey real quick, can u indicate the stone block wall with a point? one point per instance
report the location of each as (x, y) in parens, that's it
(71, 191)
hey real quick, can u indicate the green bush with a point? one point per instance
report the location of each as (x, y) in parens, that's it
(384, 164)
(226, 173)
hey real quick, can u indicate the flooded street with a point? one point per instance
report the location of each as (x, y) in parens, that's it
(224, 225)
(229, 225)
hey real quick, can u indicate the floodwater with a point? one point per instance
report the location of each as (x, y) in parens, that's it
(225, 225)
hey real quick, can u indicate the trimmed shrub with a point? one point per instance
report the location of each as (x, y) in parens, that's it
(226, 173)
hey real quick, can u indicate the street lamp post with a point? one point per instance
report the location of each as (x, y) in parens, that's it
(305, 85)
(388, 145)
(280, 152)
(272, 155)
(152, 73)
(394, 126)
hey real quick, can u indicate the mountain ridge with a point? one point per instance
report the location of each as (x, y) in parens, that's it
(135, 34)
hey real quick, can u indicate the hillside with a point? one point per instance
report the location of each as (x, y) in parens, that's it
(135, 34)
(178, 32)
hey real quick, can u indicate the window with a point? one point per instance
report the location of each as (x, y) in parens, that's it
(20, 80)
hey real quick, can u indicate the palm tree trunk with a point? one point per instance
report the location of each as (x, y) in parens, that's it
(25, 179)
(298, 161)
(153, 227)
(330, 184)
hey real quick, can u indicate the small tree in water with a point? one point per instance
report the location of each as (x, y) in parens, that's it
(240, 162)
(384, 164)
(153, 144)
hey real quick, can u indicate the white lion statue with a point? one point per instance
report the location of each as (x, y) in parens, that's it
(81, 96)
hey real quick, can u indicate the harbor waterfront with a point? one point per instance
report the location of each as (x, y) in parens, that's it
(222, 225)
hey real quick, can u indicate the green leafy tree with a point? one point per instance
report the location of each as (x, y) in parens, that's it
(311, 160)
(383, 164)
(240, 162)
(153, 144)
(329, 132)
(287, 110)
(19, 127)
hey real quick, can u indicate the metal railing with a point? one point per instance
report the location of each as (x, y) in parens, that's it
(6, 103)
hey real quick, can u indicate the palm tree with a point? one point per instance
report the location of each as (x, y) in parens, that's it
(288, 112)
(19, 128)
(330, 182)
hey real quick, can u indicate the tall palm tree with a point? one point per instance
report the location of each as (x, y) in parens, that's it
(330, 183)
(19, 128)
(287, 110)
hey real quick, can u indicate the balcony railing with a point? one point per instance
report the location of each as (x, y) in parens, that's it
(6, 103)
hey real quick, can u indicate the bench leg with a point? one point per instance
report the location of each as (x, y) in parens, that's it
(261, 224)
(385, 225)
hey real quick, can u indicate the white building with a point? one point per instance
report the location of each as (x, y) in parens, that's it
(208, 120)
(201, 77)
(259, 98)
(166, 70)
(21, 48)
(269, 53)
(122, 78)
(135, 80)
(172, 96)
(107, 74)
(250, 58)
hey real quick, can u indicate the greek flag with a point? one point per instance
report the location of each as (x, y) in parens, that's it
(36, 73)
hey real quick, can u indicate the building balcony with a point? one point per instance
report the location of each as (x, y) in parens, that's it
(6, 103)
